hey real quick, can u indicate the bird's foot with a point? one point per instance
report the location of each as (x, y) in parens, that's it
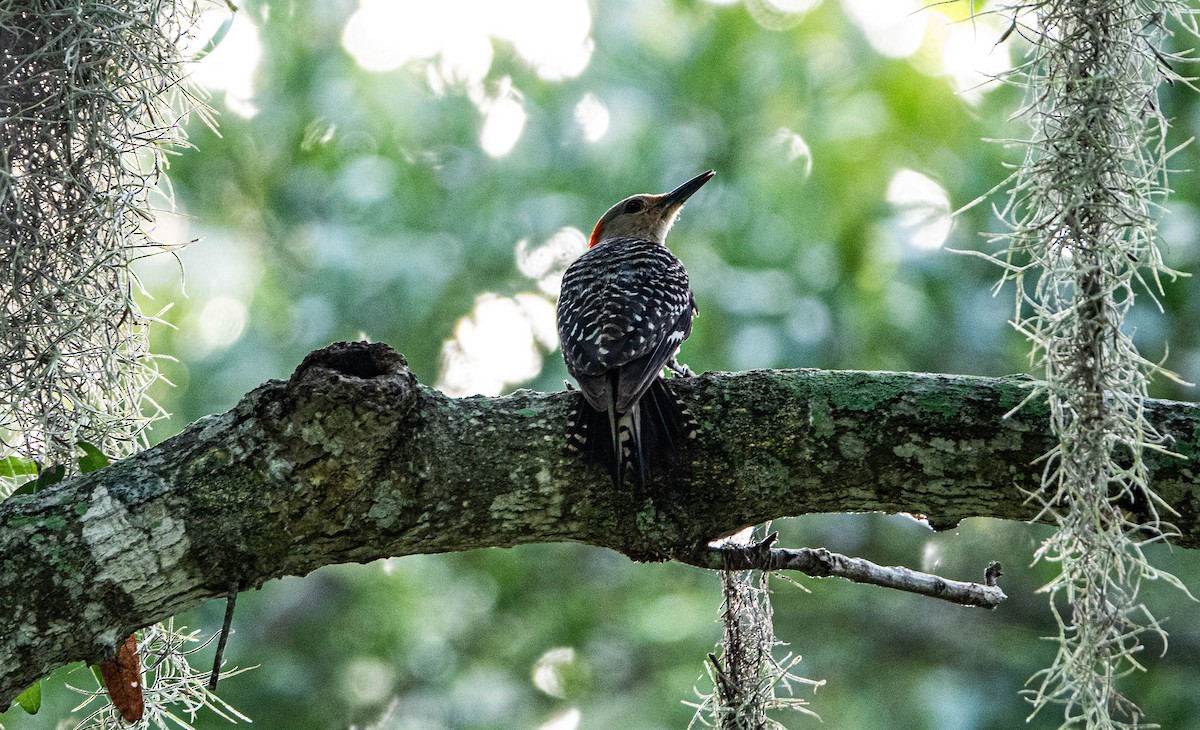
(678, 369)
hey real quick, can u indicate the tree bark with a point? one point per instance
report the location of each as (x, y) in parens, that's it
(351, 460)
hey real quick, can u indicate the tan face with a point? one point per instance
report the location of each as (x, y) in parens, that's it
(639, 216)
(646, 216)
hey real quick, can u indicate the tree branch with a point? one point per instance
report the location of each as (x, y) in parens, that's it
(822, 563)
(351, 460)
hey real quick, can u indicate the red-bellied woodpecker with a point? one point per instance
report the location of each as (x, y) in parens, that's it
(624, 308)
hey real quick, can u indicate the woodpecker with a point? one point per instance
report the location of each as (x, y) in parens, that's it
(624, 308)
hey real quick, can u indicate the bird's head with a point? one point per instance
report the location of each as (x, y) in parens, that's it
(646, 216)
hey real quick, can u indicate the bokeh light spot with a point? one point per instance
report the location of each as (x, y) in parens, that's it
(894, 28)
(503, 122)
(591, 115)
(795, 149)
(222, 322)
(809, 320)
(368, 681)
(922, 207)
(779, 14)
(971, 58)
(232, 63)
(547, 263)
(568, 720)
(755, 346)
(931, 556)
(382, 36)
(552, 36)
(498, 344)
(560, 673)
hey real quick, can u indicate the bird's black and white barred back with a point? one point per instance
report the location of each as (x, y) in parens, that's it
(625, 307)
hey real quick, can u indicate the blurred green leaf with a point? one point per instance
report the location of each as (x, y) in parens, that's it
(31, 699)
(50, 475)
(16, 466)
(28, 487)
(93, 459)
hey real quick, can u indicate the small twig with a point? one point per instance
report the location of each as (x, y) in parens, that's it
(230, 603)
(720, 678)
(822, 563)
(991, 575)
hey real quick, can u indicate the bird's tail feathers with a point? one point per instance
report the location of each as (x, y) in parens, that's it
(594, 434)
(666, 425)
(643, 442)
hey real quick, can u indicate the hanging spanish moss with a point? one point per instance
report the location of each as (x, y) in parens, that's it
(1083, 211)
(748, 679)
(90, 104)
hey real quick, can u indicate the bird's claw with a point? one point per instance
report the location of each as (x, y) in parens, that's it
(678, 369)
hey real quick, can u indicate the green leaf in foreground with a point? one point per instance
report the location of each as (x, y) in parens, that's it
(31, 699)
(50, 475)
(17, 466)
(93, 459)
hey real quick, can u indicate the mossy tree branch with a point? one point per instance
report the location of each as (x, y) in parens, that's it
(351, 460)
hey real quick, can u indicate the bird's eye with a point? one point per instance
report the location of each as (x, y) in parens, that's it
(635, 205)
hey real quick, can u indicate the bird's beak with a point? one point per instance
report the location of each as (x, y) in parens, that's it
(676, 197)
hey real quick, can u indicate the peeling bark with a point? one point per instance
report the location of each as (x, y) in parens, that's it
(351, 460)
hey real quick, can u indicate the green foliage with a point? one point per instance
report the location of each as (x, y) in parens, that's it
(31, 699)
(92, 460)
(361, 202)
(12, 467)
(358, 202)
(50, 475)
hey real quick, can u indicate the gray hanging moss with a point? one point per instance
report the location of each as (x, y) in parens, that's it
(1083, 211)
(90, 100)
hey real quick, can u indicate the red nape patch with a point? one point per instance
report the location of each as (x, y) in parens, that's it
(596, 233)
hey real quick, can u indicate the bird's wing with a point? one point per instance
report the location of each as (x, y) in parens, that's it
(635, 310)
(637, 375)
